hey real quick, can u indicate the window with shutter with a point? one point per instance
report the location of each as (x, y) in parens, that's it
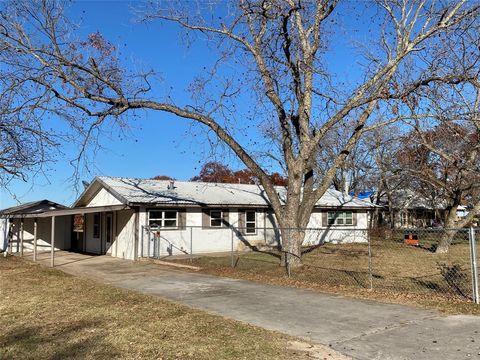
(250, 222)
(340, 218)
(216, 217)
(163, 219)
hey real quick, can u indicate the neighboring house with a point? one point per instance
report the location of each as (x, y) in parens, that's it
(122, 217)
(409, 209)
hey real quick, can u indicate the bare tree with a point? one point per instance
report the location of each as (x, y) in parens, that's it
(281, 48)
(25, 144)
(384, 174)
(445, 160)
(443, 151)
(355, 173)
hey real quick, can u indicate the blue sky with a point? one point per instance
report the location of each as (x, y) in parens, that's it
(157, 143)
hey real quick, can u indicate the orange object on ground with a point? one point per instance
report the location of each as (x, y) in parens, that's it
(411, 239)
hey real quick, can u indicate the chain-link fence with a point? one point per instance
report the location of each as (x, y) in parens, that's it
(439, 262)
(424, 261)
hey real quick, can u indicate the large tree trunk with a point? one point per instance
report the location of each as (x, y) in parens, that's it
(445, 241)
(292, 240)
(450, 231)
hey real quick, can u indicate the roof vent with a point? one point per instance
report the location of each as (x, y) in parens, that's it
(171, 185)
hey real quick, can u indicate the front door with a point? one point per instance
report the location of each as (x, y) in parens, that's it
(108, 231)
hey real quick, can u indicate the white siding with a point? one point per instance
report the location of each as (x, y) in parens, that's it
(319, 233)
(336, 234)
(103, 198)
(123, 246)
(206, 240)
(197, 239)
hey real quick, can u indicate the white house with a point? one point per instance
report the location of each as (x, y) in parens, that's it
(131, 218)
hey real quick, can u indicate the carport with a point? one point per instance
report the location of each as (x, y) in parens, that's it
(44, 220)
(53, 214)
(23, 227)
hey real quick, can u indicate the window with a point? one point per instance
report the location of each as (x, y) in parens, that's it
(250, 222)
(163, 218)
(340, 218)
(216, 218)
(96, 225)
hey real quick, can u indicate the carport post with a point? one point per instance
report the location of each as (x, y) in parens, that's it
(52, 243)
(233, 260)
(18, 240)
(141, 243)
(21, 237)
(191, 243)
(10, 237)
(35, 240)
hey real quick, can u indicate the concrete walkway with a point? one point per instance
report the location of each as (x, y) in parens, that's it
(358, 328)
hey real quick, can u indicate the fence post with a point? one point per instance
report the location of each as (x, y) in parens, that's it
(21, 237)
(287, 254)
(52, 243)
(370, 274)
(191, 243)
(35, 227)
(473, 261)
(231, 250)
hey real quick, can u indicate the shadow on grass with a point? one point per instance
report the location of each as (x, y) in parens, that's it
(451, 281)
(308, 249)
(77, 339)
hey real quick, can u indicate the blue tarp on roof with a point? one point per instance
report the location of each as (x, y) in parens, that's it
(362, 195)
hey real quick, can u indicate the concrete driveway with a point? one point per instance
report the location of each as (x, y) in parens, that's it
(358, 328)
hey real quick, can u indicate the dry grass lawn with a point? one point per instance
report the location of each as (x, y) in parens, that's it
(401, 274)
(46, 314)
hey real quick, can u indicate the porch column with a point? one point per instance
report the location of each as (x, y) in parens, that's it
(10, 235)
(135, 239)
(114, 234)
(35, 239)
(21, 237)
(18, 239)
(52, 244)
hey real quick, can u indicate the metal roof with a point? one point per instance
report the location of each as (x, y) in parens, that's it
(133, 191)
(84, 210)
(33, 208)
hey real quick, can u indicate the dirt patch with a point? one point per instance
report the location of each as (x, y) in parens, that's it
(317, 351)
